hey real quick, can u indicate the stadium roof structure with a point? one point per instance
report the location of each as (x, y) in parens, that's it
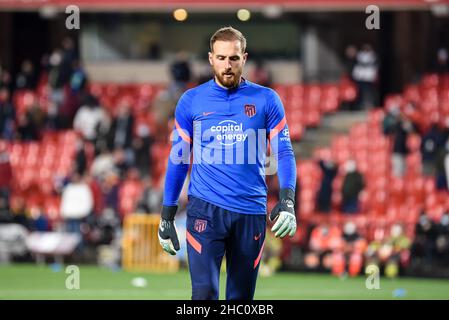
(208, 5)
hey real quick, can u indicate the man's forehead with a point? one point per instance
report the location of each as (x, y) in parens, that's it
(227, 48)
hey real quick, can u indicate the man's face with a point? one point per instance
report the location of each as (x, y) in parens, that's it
(227, 60)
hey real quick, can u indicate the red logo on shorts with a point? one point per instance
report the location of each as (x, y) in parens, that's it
(200, 225)
(250, 110)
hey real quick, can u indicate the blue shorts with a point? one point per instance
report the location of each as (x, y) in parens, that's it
(213, 232)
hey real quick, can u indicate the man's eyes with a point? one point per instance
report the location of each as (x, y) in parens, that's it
(236, 58)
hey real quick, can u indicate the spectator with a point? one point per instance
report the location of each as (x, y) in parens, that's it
(30, 123)
(423, 250)
(76, 203)
(5, 212)
(391, 120)
(78, 81)
(329, 169)
(353, 184)
(39, 222)
(102, 164)
(442, 241)
(260, 74)
(430, 142)
(56, 78)
(110, 187)
(7, 115)
(80, 158)
(21, 214)
(120, 135)
(442, 167)
(91, 119)
(181, 74)
(442, 61)
(365, 74)
(400, 149)
(354, 245)
(5, 173)
(68, 57)
(142, 145)
(121, 163)
(393, 249)
(6, 81)
(350, 60)
(26, 78)
(151, 198)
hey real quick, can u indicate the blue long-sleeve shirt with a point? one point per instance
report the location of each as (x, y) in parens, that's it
(227, 132)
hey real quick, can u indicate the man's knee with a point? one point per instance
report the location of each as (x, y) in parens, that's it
(205, 293)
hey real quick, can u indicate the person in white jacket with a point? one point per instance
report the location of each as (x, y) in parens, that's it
(76, 203)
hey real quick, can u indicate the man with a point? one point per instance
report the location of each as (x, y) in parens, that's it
(226, 122)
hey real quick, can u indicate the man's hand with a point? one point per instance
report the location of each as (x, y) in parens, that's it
(284, 212)
(168, 237)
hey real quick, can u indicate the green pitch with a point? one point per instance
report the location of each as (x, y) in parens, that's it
(43, 282)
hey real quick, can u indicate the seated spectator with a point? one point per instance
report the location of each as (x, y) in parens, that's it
(39, 222)
(26, 78)
(390, 254)
(354, 245)
(20, 214)
(31, 123)
(5, 212)
(442, 241)
(423, 250)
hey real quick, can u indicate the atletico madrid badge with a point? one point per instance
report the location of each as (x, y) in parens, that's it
(200, 225)
(250, 110)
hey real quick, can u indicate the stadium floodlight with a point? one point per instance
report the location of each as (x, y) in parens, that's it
(180, 14)
(243, 14)
(272, 11)
(48, 12)
(440, 10)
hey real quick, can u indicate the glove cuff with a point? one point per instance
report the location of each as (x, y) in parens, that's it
(169, 212)
(287, 193)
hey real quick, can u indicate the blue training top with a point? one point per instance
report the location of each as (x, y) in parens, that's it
(228, 130)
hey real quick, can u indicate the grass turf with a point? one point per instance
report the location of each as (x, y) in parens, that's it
(46, 282)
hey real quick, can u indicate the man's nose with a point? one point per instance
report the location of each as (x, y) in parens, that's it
(228, 63)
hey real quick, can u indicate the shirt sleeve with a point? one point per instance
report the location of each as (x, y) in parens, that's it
(280, 142)
(179, 159)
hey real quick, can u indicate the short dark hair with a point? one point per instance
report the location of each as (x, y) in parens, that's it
(228, 34)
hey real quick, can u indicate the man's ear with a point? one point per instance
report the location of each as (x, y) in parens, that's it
(245, 56)
(210, 58)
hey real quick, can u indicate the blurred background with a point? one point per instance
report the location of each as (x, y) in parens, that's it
(86, 116)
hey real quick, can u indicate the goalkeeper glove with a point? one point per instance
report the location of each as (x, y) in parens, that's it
(167, 234)
(284, 212)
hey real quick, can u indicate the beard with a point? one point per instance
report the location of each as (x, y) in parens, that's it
(228, 79)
